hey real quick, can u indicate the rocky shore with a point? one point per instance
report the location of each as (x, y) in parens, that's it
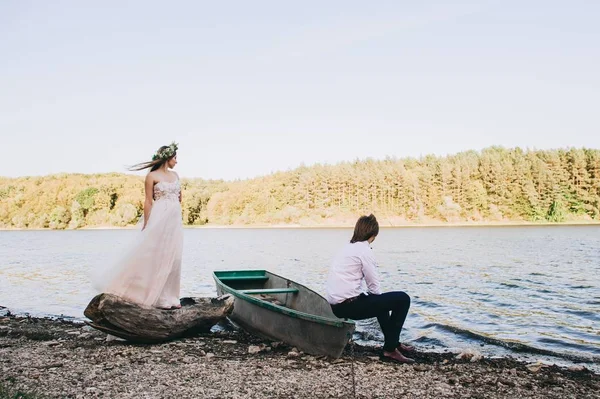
(43, 358)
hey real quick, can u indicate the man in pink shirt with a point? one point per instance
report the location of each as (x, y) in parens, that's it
(345, 295)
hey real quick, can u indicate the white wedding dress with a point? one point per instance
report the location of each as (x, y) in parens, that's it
(150, 271)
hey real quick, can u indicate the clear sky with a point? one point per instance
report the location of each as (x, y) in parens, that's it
(251, 87)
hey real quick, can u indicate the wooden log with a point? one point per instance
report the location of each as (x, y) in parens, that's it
(144, 324)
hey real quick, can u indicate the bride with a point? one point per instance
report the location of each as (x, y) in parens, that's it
(150, 271)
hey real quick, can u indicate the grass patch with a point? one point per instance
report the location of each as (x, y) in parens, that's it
(9, 391)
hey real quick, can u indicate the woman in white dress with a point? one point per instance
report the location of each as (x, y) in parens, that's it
(150, 271)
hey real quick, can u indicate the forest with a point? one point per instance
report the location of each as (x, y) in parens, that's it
(492, 185)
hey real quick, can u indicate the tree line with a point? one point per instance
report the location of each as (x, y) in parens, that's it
(495, 184)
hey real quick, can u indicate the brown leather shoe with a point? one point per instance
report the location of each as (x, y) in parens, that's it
(397, 357)
(405, 348)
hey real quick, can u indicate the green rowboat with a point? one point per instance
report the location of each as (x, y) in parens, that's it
(280, 309)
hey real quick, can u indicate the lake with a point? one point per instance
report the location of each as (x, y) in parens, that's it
(531, 292)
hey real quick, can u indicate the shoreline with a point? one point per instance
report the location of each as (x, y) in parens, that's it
(339, 226)
(60, 358)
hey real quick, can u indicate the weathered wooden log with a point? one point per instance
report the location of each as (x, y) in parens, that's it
(144, 324)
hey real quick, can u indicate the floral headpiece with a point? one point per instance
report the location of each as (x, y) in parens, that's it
(166, 153)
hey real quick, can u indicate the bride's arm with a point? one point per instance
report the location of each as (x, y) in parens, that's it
(180, 188)
(149, 188)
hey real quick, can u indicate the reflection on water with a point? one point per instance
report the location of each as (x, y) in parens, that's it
(526, 291)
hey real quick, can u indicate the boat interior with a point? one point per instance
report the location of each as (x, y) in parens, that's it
(277, 290)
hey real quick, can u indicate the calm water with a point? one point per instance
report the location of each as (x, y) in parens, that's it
(529, 292)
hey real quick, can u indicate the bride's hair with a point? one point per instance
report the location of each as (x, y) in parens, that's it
(162, 155)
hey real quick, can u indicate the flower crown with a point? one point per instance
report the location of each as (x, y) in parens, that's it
(166, 153)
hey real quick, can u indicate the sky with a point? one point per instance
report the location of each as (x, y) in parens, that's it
(248, 88)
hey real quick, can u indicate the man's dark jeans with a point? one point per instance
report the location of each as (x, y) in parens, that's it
(368, 306)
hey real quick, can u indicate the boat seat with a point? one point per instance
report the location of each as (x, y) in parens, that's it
(271, 291)
(244, 278)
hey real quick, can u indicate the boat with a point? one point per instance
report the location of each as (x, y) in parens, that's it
(279, 309)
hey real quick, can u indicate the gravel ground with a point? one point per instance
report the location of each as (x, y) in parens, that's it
(60, 359)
